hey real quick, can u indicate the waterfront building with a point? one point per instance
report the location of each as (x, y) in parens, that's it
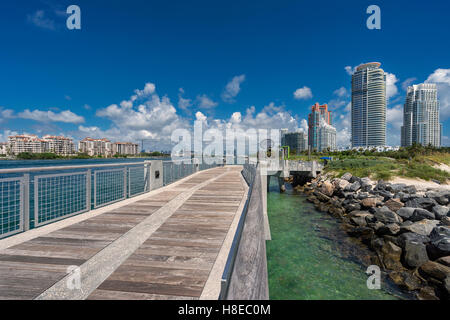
(421, 122)
(26, 143)
(125, 148)
(296, 141)
(369, 106)
(59, 145)
(3, 148)
(319, 113)
(95, 147)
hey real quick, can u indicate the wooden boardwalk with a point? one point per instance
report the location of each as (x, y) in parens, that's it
(194, 217)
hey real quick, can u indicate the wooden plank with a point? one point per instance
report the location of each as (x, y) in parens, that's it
(151, 288)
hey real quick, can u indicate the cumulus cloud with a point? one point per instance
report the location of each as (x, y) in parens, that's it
(394, 116)
(407, 83)
(303, 93)
(350, 70)
(233, 88)
(40, 19)
(204, 102)
(183, 103)
(341, 92)
(391, 87)
(442, 79)
(66, 116)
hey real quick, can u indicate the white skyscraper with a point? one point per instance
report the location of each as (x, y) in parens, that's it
(421, 116)
(369, 106)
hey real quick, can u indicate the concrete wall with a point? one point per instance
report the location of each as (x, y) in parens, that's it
(249, 279)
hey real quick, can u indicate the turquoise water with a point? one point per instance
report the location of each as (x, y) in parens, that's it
(311, 258)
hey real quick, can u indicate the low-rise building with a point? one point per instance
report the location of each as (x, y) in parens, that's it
(26, 143)
(59, 145)
(3, 148)
(296, 141)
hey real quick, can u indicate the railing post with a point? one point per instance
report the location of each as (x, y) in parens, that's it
(26, 202)
(148, 174)
(125, 170)
(88, 189)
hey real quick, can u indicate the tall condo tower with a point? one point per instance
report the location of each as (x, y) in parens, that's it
(319, 114)
(421, 116)
(369, 106)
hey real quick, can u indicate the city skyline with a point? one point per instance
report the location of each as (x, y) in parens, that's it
(128, 82)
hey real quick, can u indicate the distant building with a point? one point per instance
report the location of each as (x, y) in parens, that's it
(297, 141)
(318, 114)
(26, 143)
(3, 148)
(125, 148)
(421, 116)
(95, 147)
(59, 145)
(369, 106)
(326, 137)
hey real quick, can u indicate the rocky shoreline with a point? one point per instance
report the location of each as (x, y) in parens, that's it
(408, 230)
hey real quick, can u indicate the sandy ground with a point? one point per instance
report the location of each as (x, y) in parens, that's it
(442, 167)
(420, 184)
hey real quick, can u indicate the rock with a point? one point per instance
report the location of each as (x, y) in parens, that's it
(427, 293)
(347, 176)
(355, 186)
(366, 184)
(406, 280)
(364, 233)
(359, 221)
(424, 203)
(390, 229)
(447, 285)
(385, 194)
(440, 211)
(340, 183)
(440, 238)
(410, 189)
(434, 270)
(415, 254)
(391, 256)
(322, 197)
(327, 188)
(444, 260)
(396, 187)
(411, 237)
(420, 214)
(394, 204)
(406, 213)
(423, 227)
(386, 216)
(352, 207)
(369, 202)
(445, 221)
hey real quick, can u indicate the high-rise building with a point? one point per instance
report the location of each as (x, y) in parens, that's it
(369, 106)
(296, 141)
(59, 145)
(95, 147)
(421, 116)
(327, 137)
(125, 148)
(319, 114)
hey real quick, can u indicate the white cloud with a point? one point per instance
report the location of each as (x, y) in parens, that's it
(391, 87)
(233, 88)
(394, 116)
(39, 19)
(350, 70)
(442, 79)
(149, 89)
(303, 93)
(204, 102)
(183, 103)
(341, 92)
(66, 116)
(407, 83)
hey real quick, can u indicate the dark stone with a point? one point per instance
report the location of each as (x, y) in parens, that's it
(444, 260)
(391, 256)
(434, 270)
(355, 186)
(411, 237)
(427, 293)
(406, 213)
(389, 229)
(347, 176)
(352, 207)
(396, 187)
(424, 203)
(410, 189)
(440, 238)
(440, 211)
(385, 194)
(420, 214)
(386, 216)
(415, 254)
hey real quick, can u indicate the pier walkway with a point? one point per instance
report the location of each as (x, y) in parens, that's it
(170, 243)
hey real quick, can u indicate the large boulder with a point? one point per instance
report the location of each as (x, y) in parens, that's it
(355, 186)
(366, 184)
(394, 204)
(434, 270)
(440, 238)
(340, 183)
(396, 187)
(415, 254)
(420, 214)
(327, 188)
(385, 215)
(423, 227)
(390, 229)
(347, 176)
(444, 260)
(406, 280)
(440, 211)
(445, 221)
(369, 202)
(424, 203)
(411, 237)
(391, 255)
(406, 213)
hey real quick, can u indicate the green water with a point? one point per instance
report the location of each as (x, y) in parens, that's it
(311, 258)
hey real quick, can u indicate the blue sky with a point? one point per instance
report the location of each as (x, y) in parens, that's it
(140, 69)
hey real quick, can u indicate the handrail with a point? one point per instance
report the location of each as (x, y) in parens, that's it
(58, 168)
(226, 276)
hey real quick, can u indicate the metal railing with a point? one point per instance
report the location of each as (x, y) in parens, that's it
(33, 197)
